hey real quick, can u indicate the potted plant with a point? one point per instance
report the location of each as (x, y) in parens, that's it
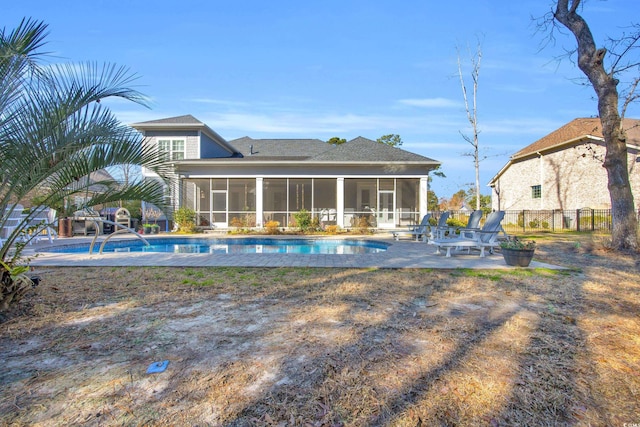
(155, 229)
(146, 228)
(517, 252)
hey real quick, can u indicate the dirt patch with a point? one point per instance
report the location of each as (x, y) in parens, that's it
(330, 347)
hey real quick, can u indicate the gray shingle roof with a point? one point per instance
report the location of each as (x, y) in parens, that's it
(365, 150)
(357, 150)
(278, 149)
(304, 150)
(187, 119)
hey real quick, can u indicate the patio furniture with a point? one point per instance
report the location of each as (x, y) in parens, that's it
(440, 227)
(487, 237)
(415, 230)
(473, 223)
(41, 224)
(11, 219)
(87, 221)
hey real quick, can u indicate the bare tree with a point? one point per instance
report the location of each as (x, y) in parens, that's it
(472, 114)
(591, 61)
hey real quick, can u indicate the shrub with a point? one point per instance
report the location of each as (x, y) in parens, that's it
(238, 222)
(185, 219)
(455, 222)
(331, 229)
(362, 225)
(271, 227)
(516, 243)
(315, 223)
(303, 219)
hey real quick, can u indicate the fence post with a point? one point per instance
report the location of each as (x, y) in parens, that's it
(577, 219)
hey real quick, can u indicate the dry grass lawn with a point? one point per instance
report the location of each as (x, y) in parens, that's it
(330, 347)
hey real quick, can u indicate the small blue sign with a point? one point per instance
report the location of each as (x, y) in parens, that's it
(156, 367)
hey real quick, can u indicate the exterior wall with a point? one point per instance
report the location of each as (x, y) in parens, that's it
(572, 178)
(210, 149)
(192, 145)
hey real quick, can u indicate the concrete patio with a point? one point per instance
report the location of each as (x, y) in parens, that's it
(400, 254)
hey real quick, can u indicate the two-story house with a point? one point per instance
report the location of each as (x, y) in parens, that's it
(564, 170)
(248, 182)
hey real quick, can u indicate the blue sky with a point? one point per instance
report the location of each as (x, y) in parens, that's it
(290, 69)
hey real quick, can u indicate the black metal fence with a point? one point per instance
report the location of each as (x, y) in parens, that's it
(526, 221)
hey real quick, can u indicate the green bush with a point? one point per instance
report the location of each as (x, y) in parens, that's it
(303, 220)
(454, 222)
(185, 219)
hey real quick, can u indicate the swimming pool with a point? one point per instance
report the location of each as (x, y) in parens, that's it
(233, 246)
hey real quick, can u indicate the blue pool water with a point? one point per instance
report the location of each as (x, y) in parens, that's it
(233, 246)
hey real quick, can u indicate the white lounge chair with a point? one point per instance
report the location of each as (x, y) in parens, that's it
(486, 237)
(441, 227)
(473, 223)
(418, 231)
(11, 219)
(42, 224)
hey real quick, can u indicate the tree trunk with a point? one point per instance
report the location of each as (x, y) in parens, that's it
(590, 61)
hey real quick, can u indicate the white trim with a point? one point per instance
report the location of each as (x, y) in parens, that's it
(199, 150)
(183, 175)
(259, 201)
(171, 140)
(423, 198)
(340, 202)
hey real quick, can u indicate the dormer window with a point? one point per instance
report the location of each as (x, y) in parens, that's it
(171, 149)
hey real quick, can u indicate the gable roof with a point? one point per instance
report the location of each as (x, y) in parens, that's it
(186, 122)
(580, 129)
(314, 150)
(187, 119)
(576, 130)
(246, 149)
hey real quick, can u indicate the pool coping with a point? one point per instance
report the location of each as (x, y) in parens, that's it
(401, 253)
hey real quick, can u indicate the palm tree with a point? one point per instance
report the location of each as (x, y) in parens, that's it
(55, 132)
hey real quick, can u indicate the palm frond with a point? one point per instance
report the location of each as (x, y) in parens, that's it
(55, 134)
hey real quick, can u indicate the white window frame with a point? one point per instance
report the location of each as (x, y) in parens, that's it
(170, 151)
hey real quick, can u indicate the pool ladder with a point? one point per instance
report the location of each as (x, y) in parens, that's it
(123, 229)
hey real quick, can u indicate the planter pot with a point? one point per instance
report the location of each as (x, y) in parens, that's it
(146, 230)
(65, 227)
(518, 257)
(155, 230)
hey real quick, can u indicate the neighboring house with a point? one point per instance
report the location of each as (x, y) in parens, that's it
(248, 182)
(564, 170)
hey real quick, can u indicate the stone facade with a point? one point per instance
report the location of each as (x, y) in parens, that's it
(571, 176)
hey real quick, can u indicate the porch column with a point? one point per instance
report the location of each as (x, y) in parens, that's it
(259, 203)
(340, 202)
(424, 190)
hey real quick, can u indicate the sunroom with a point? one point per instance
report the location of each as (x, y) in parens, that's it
(249, 182)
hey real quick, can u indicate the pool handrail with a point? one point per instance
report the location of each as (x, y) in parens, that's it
(123, 229)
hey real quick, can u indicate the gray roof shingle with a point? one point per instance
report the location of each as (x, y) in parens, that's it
(314, 150)
(365, 150)
(187, 119)
(278, 149)
(357, 150)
